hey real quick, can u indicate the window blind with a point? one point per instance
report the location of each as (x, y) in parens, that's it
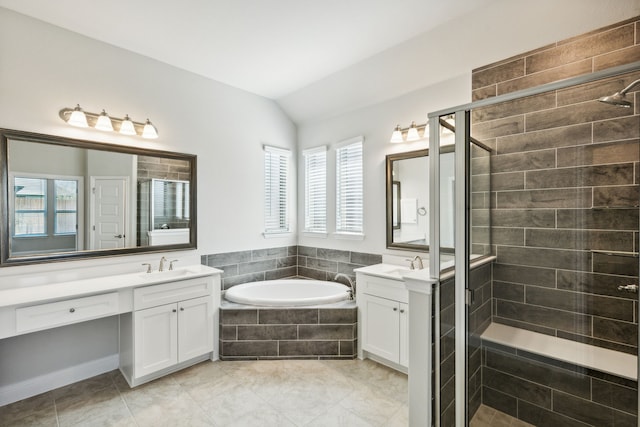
(349, 187)
(315, 189)
(276, 190)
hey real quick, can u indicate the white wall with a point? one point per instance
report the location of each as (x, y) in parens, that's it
(45, 68)
(376, 124)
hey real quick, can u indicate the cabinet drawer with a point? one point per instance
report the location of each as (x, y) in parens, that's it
(50, 315)
(385, 288)
(166, 293)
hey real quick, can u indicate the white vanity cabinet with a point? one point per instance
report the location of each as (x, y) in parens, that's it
(171, 327)
(383, 320)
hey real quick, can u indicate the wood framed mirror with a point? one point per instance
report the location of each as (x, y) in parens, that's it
(64, 198)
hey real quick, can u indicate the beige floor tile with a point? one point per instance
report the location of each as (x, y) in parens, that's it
(100, 408)
(37, 410)
(338, 416)
(370, 404)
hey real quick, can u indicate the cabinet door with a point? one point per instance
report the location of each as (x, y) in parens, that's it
(195, 328)
(156, 339)
(404, 334)
(380, 328)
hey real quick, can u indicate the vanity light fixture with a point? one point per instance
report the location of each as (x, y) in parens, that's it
(126, 127)
(396, 136)
(78, 117)
(104, 122)
(149, 131)
(412, 133)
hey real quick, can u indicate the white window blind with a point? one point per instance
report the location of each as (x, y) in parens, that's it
(276, 190)
(315, 189)
(349, 187)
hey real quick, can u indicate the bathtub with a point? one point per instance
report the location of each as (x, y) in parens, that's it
(288, 293)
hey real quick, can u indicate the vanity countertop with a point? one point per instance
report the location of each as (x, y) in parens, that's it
(394, 272)
(76, 288)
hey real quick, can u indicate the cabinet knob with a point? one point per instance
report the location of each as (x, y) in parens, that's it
(401, 311)
(174, 310)
(181, 308)
(395, 308)
(72, 310)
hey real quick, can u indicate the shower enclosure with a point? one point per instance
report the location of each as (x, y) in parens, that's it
(537, 307)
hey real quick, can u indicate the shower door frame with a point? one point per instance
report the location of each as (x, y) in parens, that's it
(462, 222)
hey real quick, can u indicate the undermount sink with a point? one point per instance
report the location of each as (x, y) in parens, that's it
(168, 273)
(398, 271)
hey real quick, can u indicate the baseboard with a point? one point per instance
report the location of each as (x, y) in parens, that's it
(43, 383)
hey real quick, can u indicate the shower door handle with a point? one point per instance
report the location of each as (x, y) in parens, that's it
(632, 288)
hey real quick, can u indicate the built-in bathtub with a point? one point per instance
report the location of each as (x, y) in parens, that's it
(288, 293)
(288, 319)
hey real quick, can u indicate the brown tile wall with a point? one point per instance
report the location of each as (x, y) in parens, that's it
(479, 319)
(300, 333)
(287, 261)
(565, 184)
(564, 177)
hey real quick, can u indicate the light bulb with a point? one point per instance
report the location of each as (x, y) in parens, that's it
(104, 122)
(412, 134)
(78, 118)
(126, 127)
(149, 130)
(396, 136)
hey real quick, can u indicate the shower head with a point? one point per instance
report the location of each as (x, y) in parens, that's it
(619, 98)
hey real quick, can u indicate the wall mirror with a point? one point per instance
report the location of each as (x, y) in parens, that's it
(408, 200)
(64, 198)
(407, 189)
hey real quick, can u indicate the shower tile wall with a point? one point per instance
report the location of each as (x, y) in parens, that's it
(150, 167)
(287, 261)
(564, 177)
(479, 319)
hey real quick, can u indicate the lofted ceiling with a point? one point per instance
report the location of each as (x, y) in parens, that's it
(321, 58)
(270, 48)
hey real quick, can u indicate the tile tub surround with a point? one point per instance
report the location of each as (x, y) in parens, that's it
(250, 333)
(543, 391)
(565, 181)
(288, 261)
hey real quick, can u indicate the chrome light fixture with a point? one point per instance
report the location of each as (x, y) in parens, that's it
(126, 127)
(149, 131)
(78, 117)
(104, 122)
(412, 133)
(396, 136)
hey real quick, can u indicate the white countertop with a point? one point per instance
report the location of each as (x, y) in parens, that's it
(75, 288)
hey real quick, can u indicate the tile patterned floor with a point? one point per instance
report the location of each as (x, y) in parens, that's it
(263, 393)
(486, 416)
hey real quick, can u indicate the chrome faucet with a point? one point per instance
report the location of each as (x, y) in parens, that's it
(413, 265)
(161, 266)
(352, 285)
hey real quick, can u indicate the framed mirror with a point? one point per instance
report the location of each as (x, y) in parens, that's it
(64, 198)
(407, 180)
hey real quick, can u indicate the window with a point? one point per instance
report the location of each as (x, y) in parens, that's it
(276, 190)
(66, 206)
(315, 190)
(45, 206)
(30, 206)
(349, 187)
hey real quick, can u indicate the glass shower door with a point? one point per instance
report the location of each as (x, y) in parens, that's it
(553, 339)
